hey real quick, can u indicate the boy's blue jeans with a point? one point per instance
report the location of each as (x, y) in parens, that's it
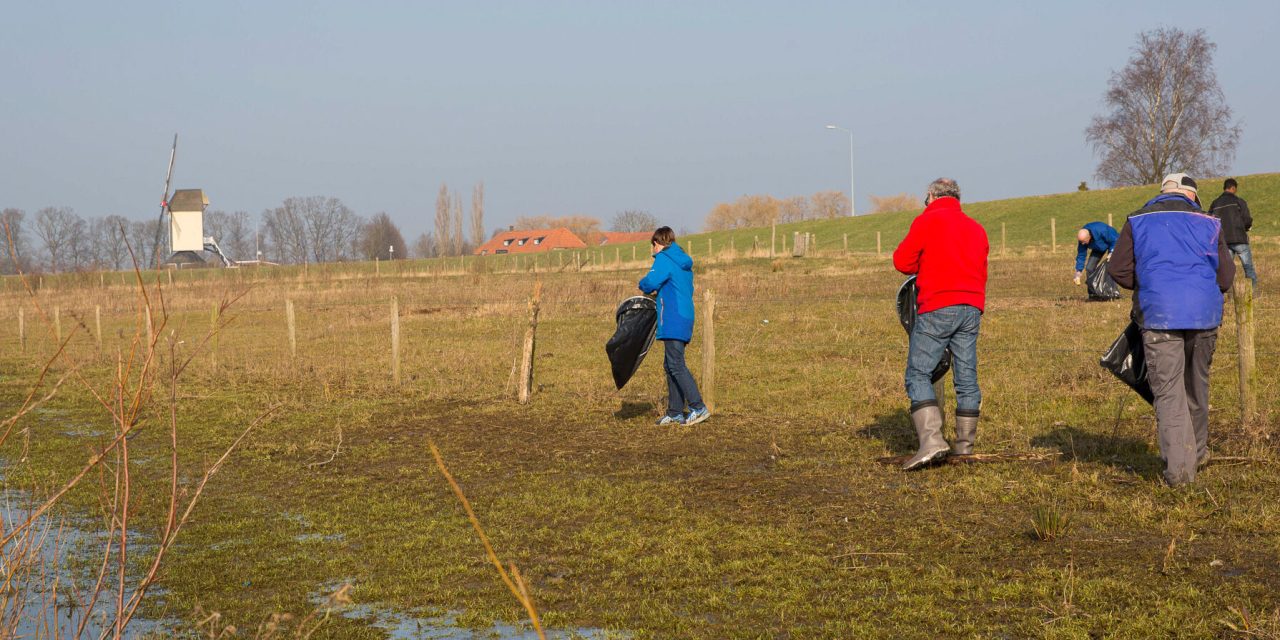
(956, 327)
(681, 389)
(1246, 261)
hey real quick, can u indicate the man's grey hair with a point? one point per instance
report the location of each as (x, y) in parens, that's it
(942, 188)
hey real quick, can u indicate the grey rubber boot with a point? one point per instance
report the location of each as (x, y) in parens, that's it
(966, 431)
(933, 447)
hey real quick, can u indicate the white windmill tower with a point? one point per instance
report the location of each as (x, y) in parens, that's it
(186, 224)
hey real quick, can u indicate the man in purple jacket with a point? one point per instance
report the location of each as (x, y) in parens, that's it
(1174, 258)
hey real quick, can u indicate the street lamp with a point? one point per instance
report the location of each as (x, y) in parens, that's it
(853, 211)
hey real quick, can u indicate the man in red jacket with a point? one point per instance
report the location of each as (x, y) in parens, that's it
(947, 250)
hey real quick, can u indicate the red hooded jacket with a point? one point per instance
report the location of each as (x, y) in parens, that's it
(947, 250)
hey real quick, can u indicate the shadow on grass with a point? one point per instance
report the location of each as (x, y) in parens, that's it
(895, 430)
(631, 410)
(1126, 453)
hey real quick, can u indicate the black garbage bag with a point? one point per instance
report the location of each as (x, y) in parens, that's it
(1127, 360)
(1101, 285)
(907, 312)
(637, 319)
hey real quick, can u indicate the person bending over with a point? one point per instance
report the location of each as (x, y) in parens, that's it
(1096, 238)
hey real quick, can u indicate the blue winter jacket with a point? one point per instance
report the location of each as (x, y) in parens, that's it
(672, 278)
(1174, 258)
(1102, 238)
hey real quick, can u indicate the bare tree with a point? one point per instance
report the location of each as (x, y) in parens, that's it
(1165, 112)
(377, 237)
(236, 236)
(331, 227)
(142, 239)
(112, 251)
(425, 245)
(899, 202)
(633, 221)
(477, 214)
(747, 211)
(830, 204)
(59, 229)
(285, 233)
(459, 240)
(13, 219)
(794, 209)
(444, 224)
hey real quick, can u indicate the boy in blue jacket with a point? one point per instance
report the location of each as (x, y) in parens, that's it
(671, 278)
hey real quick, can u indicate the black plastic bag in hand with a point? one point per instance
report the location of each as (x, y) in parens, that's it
(1101, 285)
(1127, 360)
(907, 311)
(637, 319)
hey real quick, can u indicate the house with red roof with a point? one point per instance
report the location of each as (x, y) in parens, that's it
(530, 241)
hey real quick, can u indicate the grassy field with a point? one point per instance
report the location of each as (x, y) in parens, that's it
(774, 519)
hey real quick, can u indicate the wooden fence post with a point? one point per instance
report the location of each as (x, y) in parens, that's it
(878, 252)
(377, 266)
(1003, 246)
(97, 325)
(530, 339)
(1053, 235)
(708, 247)
(395, 341)
(22, 329)
(1109, 221)
(846, 243)
(773, 237)
(709, 349)
(633, 253)
(57, 324)
(293, 336)
(1242, 294)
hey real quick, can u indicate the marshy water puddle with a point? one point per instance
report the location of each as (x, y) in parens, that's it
(44, 597)
(401, 625)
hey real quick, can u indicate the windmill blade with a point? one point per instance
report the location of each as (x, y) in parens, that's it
(164, 202)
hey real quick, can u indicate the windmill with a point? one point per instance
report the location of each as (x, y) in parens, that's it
(186, 224)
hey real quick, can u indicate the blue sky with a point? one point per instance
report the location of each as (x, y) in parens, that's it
(578, 107)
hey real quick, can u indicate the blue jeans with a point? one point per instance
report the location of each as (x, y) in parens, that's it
(1246, 260)
(681, 389)
(956, 327)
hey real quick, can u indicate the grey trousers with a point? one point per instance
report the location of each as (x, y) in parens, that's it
(1178, 371)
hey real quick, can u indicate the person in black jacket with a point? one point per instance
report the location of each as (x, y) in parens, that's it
(1233, 211)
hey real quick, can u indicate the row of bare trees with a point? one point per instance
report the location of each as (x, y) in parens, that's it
(56, 239)
(763, 210)
(449, 238)
(300, 230)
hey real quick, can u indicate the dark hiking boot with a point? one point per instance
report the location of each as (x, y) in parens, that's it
(1203, 461)
(966, 431)
(933, 447)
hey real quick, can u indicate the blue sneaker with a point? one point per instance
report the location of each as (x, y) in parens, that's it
(671, 421)
(697, 415)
